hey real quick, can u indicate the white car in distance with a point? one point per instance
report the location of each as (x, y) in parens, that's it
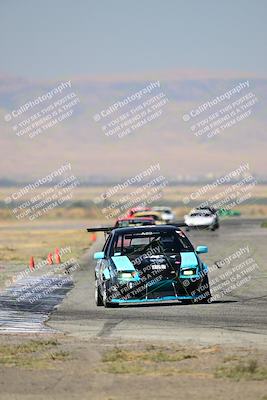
(166, 214)
(202, 218)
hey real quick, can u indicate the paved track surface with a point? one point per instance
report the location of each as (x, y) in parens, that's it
(237, 318)
(26, 306)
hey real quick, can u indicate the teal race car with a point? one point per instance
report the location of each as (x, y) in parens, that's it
(150, 264)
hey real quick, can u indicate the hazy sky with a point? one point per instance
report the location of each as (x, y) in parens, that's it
(60, 38)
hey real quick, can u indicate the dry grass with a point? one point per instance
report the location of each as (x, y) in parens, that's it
(32, 354)
(157, 360)
(242, 370)
(82, 204)
(150, 354)
(59, 213)
(17, 246)
(153, 360)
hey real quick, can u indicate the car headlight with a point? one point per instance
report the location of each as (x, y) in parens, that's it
(188, 272)
(127, 275)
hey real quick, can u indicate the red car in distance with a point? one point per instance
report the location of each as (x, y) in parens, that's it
(128, 221)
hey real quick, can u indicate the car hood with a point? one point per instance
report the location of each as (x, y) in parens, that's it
(163, 263)
(199, 220)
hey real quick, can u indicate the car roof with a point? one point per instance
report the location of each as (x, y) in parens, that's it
(135, 219)
(161, 208)
(201, 209)
(140, 209)
(201, 212)
(147, 228)
(206, 208)
(148, 213)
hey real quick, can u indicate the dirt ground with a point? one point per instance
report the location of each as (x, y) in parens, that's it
(89, 365)
(62, 367)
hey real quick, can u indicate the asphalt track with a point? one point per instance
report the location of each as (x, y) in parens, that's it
(236, 318)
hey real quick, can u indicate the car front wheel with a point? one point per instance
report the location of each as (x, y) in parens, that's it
(107, 304)
(205, 296)
(98, 297)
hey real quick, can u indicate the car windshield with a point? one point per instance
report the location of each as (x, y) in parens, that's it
(164, 210)
(171, 242)
(200, 214)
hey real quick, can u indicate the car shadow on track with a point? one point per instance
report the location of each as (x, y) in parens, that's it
(175, 304)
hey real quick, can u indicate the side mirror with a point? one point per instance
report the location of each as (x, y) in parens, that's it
(201, 249)
(99, 255)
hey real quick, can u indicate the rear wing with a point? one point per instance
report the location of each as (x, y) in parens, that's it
(105, 229)
(100, 229)
(108, 229)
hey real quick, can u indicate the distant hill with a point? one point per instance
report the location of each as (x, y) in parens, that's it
(167, 139)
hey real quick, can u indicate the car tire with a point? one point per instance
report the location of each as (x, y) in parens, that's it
(106, 303)
(215, 226)
(98, 297)
(187, 301)
(207, 298)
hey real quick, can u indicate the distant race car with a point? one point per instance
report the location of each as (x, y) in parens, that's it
(125, 222)
(156, 215)
(209, 208)
(202, 218)
(150, 264)
(135, 210)
(166, 213)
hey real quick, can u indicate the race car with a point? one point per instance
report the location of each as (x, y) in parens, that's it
(209, 208)
(202, 218)
(213, 211)
(156, 215)
(135, 210)
(166, 213)
(124, 222)
(150, 264)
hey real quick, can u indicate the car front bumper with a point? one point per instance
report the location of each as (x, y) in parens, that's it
(156, 299)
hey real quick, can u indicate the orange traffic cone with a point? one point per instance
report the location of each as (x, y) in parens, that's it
(56, 250)
(32, 265)
(93, 237)
(50, 259)
(57, 258)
